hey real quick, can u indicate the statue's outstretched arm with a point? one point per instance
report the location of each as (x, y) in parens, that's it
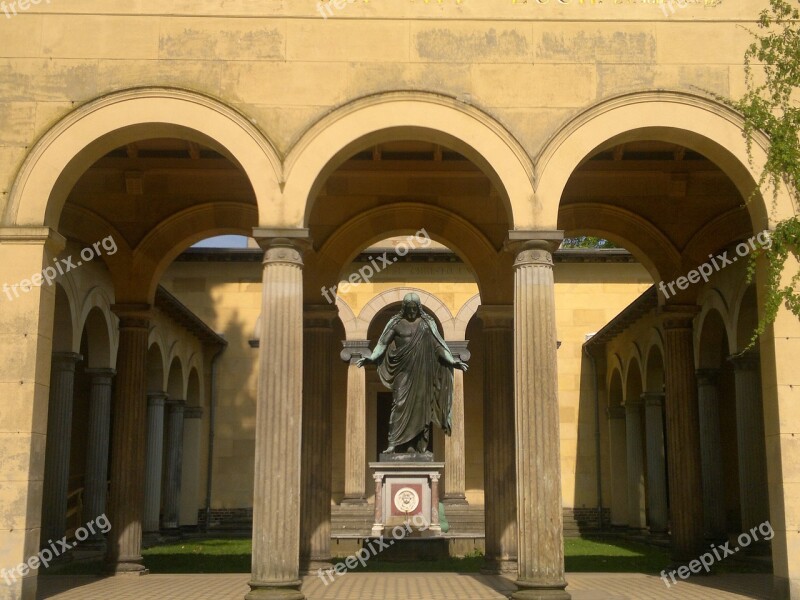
(386, 338)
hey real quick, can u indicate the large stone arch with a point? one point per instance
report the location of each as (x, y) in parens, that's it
(441, 225)
(407, 115)
(67, 150)
(693, 121)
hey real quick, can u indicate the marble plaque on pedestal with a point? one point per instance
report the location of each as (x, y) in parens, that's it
(406, 494)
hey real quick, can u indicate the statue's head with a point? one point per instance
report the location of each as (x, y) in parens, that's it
(412, 307)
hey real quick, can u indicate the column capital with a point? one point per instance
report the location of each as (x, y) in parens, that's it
(354, 349)
(458, 348)
(157, 398)
(707, 376)
(278, 244)
(284, 251)
(66, 361)
(653, 398)
(634, 402)
(616, 412)
(47, 236)
(319, 316)
(496, 316)
(747, 361)
(175, 405)
(193, 412)
(264, 236)
(133, 315)
(101, 372)
(679, 316)
(533, 247)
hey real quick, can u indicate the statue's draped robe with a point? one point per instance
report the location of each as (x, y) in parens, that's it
(421, 384)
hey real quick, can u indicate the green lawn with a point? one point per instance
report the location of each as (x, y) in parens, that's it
(233, 556)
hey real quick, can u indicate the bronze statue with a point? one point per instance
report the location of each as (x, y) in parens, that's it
(419, 371)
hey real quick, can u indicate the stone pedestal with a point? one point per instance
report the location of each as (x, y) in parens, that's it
(711, 454)
(96, 484)
(454, 470)
(278, 426)
(406, 492)
(57, 449)
(355, 459)
(539, 507)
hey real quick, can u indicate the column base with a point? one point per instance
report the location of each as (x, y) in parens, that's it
(499, 566)
(275, 591)
(456, 500)
(127, 567)
(354, 502)
(312, 566)
(534, 591)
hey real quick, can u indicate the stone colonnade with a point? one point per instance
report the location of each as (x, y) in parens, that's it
(527, 352)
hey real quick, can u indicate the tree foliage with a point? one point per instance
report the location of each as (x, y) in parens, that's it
(770, 106)
(586, 241)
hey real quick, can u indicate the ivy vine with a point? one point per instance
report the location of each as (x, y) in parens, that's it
(770, 106)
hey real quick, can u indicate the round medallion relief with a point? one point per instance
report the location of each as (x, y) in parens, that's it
(406, 500)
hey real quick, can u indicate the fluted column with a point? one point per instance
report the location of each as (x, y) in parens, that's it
(750, 441)
(619, 465)
(96, 485)
(278, 428)
(539, 507)
(154, 461)
(656, 464)
(499, 459)
(683, 435)
(355, 453)
(128, 442)
(711, 454)
(455, 486)
(59, 436)
(174, 454)
(317, 452)
(637, 516)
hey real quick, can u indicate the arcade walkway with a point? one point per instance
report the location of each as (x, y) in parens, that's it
(402, 586)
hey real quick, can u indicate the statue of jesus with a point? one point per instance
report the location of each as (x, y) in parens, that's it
(419, 371)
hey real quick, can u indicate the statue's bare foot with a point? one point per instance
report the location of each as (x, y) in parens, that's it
(389, 450)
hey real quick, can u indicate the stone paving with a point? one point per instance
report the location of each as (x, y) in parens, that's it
(402, 586)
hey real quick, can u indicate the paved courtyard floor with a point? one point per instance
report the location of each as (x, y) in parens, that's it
(402, 586)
